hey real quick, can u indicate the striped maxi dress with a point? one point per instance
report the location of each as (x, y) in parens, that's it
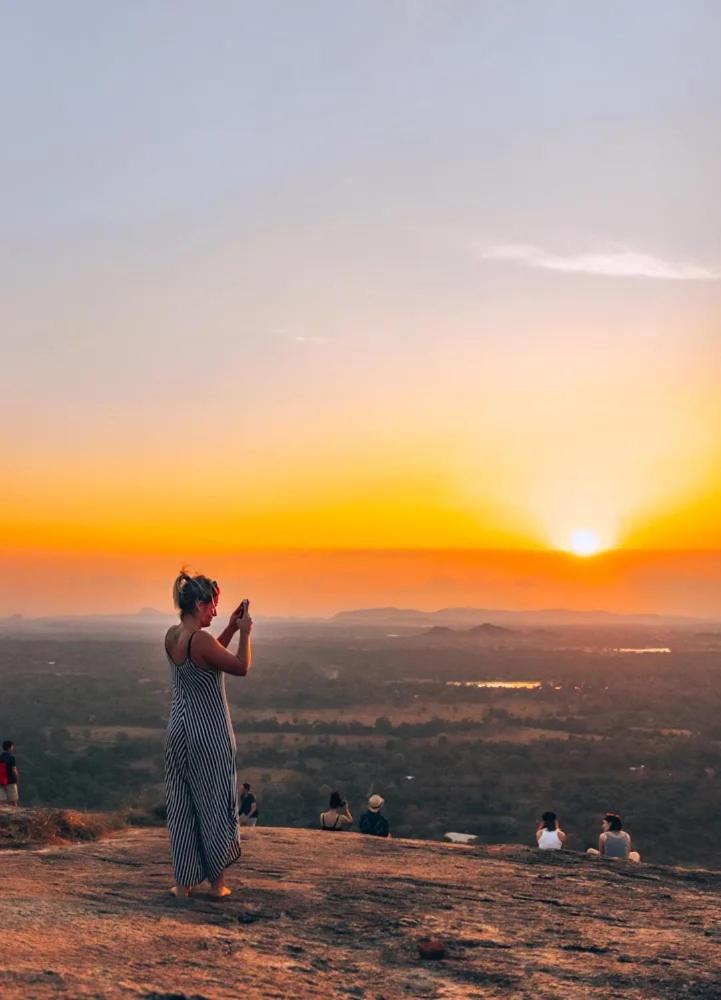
(200, 778)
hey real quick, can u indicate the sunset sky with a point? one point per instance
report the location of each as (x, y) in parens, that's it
(344, 277)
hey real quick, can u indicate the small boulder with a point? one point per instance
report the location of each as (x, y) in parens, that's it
(431, 949)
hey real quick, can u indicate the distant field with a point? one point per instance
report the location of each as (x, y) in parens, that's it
(108, 734)
(257, 776)
(520, 735)
(105, 735)
(422, 710)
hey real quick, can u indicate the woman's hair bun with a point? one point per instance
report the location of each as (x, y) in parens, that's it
(188, 590)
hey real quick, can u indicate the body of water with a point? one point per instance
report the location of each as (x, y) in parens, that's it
(504, 685)
(644, 649)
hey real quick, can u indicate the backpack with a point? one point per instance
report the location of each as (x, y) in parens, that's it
(374, 824)
(4, 773)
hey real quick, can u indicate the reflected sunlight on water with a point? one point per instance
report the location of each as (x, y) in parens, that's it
(644, 649)
(509, 685)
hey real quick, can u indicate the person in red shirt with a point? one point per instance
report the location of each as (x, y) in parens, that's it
(9, 774)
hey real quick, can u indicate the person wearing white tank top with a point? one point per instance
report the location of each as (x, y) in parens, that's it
(549, 835)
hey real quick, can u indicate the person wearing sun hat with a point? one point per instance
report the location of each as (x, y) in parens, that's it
(373, 822)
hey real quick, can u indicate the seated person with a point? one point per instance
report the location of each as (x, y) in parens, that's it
(372, 822)
(614, 842)
(248, 812)
(549, 835)
(337, 816)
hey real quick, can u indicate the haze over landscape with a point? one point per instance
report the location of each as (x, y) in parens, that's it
(360, 306)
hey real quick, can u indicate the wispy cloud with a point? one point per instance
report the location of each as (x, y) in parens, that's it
(310, 340)
(622, 263)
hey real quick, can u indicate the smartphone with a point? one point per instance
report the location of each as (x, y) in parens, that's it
(244, 604)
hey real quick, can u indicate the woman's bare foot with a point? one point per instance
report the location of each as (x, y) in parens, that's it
(220, 889)
(181, 891)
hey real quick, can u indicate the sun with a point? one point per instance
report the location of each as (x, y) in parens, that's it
(585, 543)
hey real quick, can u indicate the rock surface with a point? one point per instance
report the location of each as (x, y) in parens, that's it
(340, 915)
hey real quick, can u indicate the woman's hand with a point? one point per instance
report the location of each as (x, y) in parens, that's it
(240, 620)
(243, 620)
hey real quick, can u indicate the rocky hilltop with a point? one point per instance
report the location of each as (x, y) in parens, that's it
(340, 915)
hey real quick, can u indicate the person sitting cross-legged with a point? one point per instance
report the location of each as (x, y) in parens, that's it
(614, 841)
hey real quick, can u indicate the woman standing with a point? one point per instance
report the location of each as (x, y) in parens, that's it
(200, 779)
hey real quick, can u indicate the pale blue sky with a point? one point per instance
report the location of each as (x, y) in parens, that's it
(135, 132)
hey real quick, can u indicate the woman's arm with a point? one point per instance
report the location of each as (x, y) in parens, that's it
(561, 835)
(208, 652)
(602, 844)
(227, 634)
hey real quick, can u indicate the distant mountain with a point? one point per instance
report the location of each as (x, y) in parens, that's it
(362, 616)
(498, 617)
(490, 630)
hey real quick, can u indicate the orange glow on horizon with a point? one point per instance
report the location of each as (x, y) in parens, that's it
(364, 503)
(315, 582)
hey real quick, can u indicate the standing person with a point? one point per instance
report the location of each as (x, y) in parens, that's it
(200, 778)
(549, 835)
(9, 774)
(373, 822)
(614, 841)
(337, 816)
(248, 806)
